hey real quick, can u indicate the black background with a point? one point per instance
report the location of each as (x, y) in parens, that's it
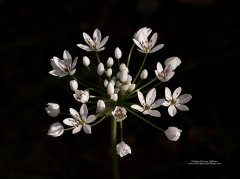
(203, 33)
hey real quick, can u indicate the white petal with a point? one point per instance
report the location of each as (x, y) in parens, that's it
(67, 56)
(104, 41)
(151, 96)
(87, 128)
(153, 39)
(74, 113)
(84, 47)
(157, 103)
(72, 72)
(184, 98)
(154, 113)
(138, 44)
(76, 129)
(88, 39)
(158, 47)
(137, 107)
(70, 122)
(182, 107)
(159, 67)
(177, 92)
(90, 119)
(84, 112)
(97, 36)
(172, 110)
(141, 98)
(168, 94)
(166, 103)
(74, 62)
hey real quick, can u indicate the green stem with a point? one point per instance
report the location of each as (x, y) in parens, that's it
(130, 54)
(115, 161)
(121, 130)
(100, 120)
(140, 69)
(98, 57)
(140, 117)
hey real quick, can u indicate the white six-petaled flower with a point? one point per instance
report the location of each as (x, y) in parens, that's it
(174, 101)
(164, 74)
(141, 40)
(52, 109)
(119, 113)
(80, 120)
(94, 44)
(56, 129)
(63, 67)
(81, 96)
(148, 105)
(123, 149)
(173, 133)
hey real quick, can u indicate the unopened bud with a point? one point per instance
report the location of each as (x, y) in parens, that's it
(86, 61)
(100, 69)
(110, 62)
(144, 74)
(123, 76)
(114, 97)
(131, 87)
(73, 85)
(101, 106)
(110, 89)
(109, 72)
(118, 53)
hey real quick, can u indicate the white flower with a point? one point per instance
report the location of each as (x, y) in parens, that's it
(173, 61)
(117, 53)
(63, 67)
(101, 106)
(173, 101)
(80, 120)
(114, 97)
(148, 105)
(173, 133)
(81, 96)
(95, 44)
(164, 75)
(86, 61)
(52, 109)
(56, 129)
(119, 113)
(73, 85)
(144, 74)
(100, 69)
(123, 76)
(110, 62)
(123, 149)
(110, 88)
(141, 40)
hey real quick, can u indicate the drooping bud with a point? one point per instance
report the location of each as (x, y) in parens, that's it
(100, 69)
(144, 74)
(173, 133)
(118, 53)
(86, 61)
(110, 62)
(73, 85)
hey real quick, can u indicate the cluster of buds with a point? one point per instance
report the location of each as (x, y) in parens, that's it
(117, 89)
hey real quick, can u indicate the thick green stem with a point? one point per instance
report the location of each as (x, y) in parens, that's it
(115, 161)
(130, 54)
(98, 59)
(140, 69)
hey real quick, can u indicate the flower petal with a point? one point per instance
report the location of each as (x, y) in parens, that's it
(97, 37)
(157, 103)
(159, 67)
(103, 42)
(168, 94)
(177, 92)
(77, 129)
(141, 98)
(85, 47)
(182, 107)
(84, 112)
(74, 62)
(184, 98)
(166, 103)
(58, 73)
(88, 39)
(153, 39)
(151, 96)
(87, 128)
(139, 108)
(90, 119)
(74, 113)
(67, 57)
(154, 113)
(138, 44)
(70, 122)
(172, 110)
(158, 47)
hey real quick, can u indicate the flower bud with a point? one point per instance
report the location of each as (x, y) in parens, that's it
(100, 69)
(52, 109)
(174, 62)
(124, 87)
(123, 76)
(110, 89)
(109, 72)
(129, 79)
(173, 133)
(86, 61)
(56, 129)
(144, 74)
(73, 85)
(131, 87)
(105, 83)
(114, 97)
(123, 149)
(110, 62)
(118, 84)
(122, 67)
(118, 53)
(101, 106)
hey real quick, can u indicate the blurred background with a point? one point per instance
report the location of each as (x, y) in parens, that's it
(204, 34)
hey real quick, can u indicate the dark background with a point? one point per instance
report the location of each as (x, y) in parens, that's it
(203, 33)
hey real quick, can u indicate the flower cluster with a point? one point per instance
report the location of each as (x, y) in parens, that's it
(115, 95)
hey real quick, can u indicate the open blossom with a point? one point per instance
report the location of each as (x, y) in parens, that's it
(80, 120)
(173, 133)
(52, 109)
(81, 96)
(148, 105)
(119, 113)
(94, 44)
(174, 101)
(123, 149)
(56, 130)
(141, 40)
(164, 74)
(63, 67)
